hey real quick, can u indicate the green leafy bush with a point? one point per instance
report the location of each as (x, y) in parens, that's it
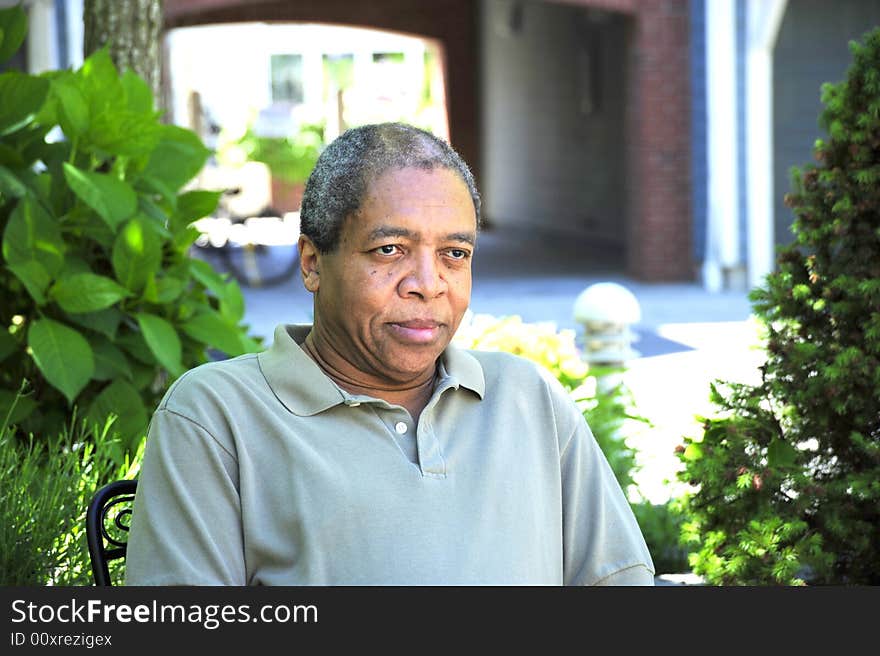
(100, 305)
(45, 488)
(786, 479)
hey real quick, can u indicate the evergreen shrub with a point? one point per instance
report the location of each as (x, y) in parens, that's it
(786, 479)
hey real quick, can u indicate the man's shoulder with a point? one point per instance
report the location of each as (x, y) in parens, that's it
(212, 378)
(517, 376)
(509, 371)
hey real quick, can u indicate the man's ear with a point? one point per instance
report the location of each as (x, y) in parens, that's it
(309, 263)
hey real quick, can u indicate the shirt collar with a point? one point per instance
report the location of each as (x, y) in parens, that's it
(296, 380)
(304, 389)
(463, 369)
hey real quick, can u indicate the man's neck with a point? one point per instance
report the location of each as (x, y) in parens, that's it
(413, 396)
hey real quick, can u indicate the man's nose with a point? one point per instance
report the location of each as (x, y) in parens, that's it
(425, 279)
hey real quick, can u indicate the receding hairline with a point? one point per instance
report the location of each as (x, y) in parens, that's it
(373, 175)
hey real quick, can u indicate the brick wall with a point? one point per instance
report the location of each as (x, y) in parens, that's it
(659, 179)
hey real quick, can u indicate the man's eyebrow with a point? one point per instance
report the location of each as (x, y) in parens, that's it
(466, 237)
(383, 232)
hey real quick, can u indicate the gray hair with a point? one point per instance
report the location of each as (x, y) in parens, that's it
(354, 160)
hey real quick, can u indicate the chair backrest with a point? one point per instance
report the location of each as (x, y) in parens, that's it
(108, 519)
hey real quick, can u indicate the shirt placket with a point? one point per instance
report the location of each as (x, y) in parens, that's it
(420, 446)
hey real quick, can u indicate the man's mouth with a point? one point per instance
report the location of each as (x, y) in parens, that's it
(418, 331)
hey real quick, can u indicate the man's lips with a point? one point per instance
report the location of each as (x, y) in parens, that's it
(419, 331)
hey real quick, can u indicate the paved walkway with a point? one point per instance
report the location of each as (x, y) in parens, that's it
(686, 336)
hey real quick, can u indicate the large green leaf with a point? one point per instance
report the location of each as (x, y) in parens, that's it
(164, 289)
(214, 331)
(100, 78)
(87, 292)
(120, 398)
(184, 239)
(13, 27)
(123, 132)
(227, 290)
(137, 255)
(114, 200)
(208, 276)
(74, 110)
(138, 94)
(114, 126)
(33, 247)
(163, 341)
(177, 158)
(21, 97)
(33, 234)
(63, 356)
(232, 302)
(168, 289)
(34, 277)
(194, 205)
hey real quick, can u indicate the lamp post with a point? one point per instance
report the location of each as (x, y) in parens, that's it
(607, 310)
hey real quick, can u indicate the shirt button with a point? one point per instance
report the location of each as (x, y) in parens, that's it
(400, 427)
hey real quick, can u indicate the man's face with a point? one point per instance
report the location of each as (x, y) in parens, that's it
(391, 296)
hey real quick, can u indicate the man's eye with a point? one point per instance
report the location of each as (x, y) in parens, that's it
(458, 253)
(388, 249)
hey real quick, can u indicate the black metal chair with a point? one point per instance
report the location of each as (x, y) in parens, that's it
(108, 519)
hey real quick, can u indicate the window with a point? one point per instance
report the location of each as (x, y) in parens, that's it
(287, 78)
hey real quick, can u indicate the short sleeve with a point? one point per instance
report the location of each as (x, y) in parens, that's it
(602, 541)
(186, 523)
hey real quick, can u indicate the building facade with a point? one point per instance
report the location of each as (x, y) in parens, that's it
(657, 132)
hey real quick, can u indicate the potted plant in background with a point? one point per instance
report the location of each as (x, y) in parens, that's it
(290, 160)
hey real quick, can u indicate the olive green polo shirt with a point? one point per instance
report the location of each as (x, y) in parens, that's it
(261, 470)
